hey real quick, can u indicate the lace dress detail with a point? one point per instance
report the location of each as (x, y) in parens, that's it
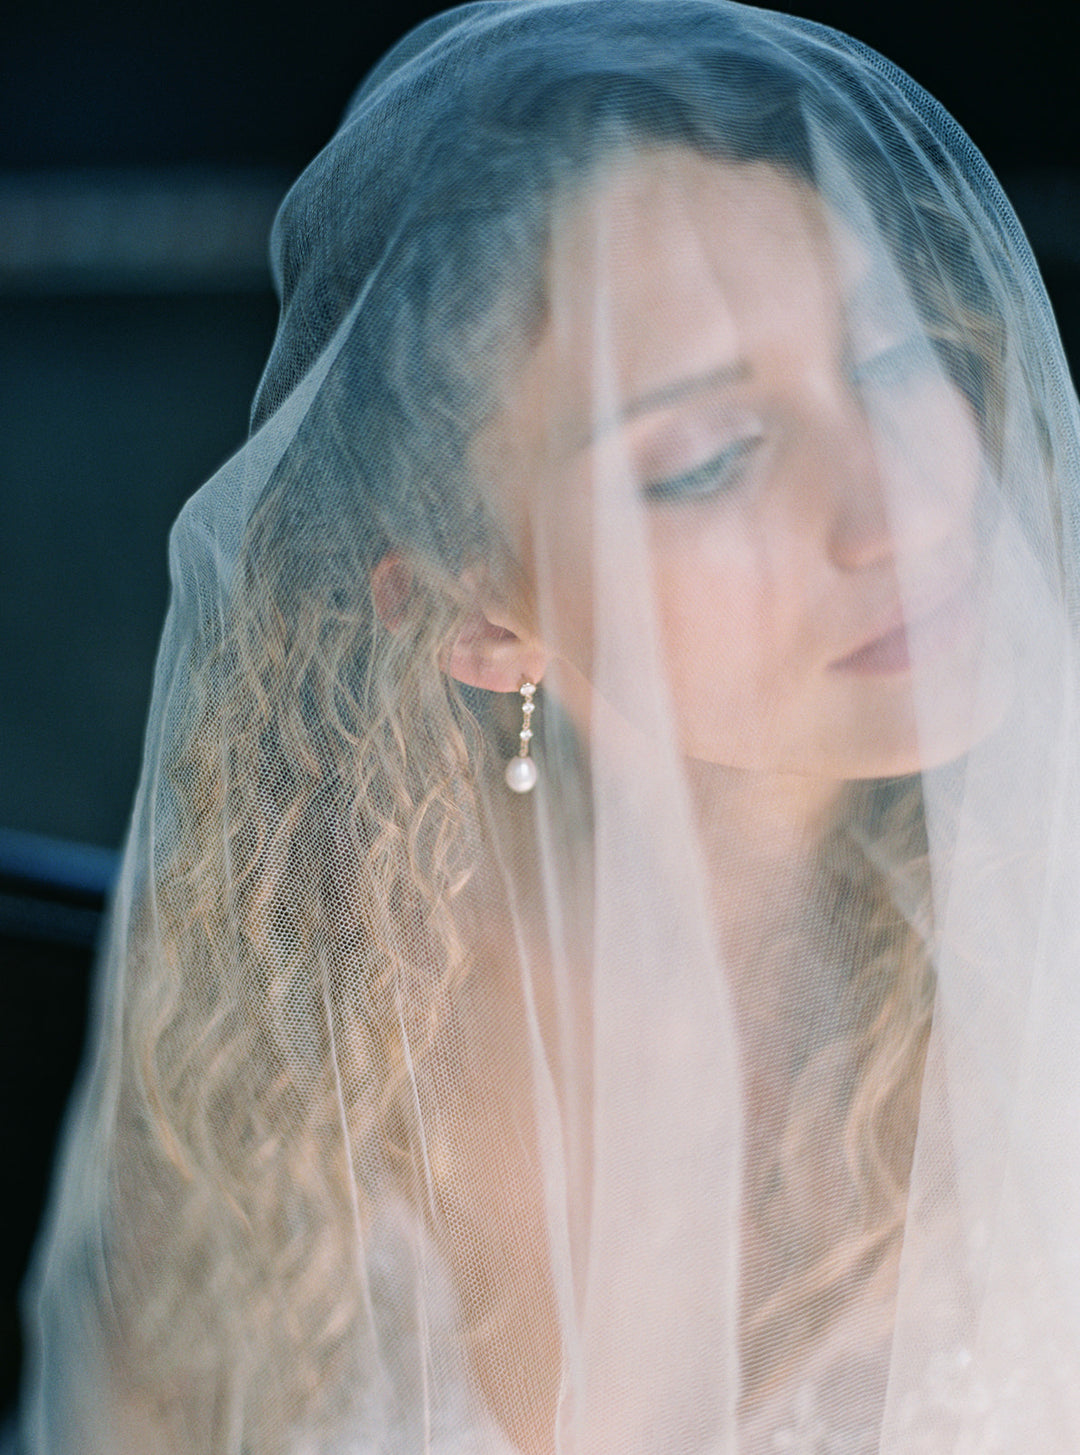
(808, 1432)
(802, 1419)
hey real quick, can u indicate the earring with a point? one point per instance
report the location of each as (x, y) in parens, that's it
(521, 770)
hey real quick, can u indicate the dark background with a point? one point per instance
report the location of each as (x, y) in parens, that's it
(142, 153)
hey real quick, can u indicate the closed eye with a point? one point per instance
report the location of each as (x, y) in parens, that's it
(910, 358)
(712, 477)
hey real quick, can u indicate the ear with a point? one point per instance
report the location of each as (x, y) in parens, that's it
(494, 650)
(493, 657)
(391, 587)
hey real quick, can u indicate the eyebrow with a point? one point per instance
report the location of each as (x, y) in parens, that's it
(872, 291)
(665, 394)
(733, 373)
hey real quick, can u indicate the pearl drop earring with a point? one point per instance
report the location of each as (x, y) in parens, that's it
(521, 770)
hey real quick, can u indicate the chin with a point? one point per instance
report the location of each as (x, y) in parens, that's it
(935, 729)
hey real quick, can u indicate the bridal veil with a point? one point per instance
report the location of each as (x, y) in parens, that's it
(664, 396)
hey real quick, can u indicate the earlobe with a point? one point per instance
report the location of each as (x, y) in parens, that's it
(391, 587)
(493, 650)
(493, 657)
(489, 651)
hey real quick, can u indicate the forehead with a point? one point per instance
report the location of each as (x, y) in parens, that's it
(673, 260)
(672, 197)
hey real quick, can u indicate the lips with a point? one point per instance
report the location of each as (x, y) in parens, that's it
(889, 648)
(890, 652)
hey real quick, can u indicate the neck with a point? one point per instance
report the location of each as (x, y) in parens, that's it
(761, 835)
(762, 818)
(752, 822)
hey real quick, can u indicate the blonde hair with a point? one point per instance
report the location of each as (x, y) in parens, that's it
(326, 820)
(831, 1202)
(321, 838)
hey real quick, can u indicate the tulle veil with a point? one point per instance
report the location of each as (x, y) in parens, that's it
(629, 1113)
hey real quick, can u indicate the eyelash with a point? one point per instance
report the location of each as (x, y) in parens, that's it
(894, 365)
(900, 362)
(713, 477)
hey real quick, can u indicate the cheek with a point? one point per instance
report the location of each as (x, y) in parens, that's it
(728, 628)
(938, 458)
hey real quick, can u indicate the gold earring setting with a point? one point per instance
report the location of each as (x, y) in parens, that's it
(521, 771)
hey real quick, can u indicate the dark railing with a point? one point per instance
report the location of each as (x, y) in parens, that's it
(52, 899)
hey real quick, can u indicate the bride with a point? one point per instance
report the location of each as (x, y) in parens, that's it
(594, 964)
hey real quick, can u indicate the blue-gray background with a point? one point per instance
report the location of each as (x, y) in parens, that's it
(142, 152)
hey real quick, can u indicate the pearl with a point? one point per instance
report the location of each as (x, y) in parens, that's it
(521, 774)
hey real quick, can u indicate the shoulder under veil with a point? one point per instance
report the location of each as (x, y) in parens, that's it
(664, 396)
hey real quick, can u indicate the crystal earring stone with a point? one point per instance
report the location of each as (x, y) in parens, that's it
(521, 771)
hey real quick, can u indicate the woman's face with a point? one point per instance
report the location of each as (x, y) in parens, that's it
(733, 409)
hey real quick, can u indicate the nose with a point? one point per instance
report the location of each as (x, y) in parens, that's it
(889, 492)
